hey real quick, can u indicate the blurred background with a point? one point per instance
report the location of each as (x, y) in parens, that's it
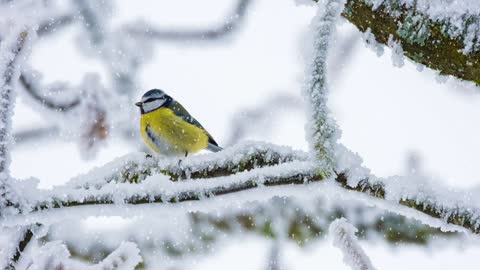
(237, 66)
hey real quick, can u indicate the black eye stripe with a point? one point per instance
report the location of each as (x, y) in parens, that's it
(151, 99)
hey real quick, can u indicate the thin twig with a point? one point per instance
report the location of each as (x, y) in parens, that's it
(231, 24)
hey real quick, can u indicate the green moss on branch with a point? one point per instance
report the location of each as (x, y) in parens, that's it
(423, 40)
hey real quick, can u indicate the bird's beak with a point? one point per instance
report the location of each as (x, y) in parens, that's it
(139, 104)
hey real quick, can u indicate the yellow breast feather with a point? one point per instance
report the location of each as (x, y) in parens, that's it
(179, 135)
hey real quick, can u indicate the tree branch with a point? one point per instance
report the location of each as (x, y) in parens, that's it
(231, 24)
(322, 129)
(344, 238)
(158, 189)
(295, 173)
(424, 40)
(11, 52)
(31, 88)
(24, 240)
(239, 158)
(53, 24)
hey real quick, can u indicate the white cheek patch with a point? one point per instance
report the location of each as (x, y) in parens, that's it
(152, 105)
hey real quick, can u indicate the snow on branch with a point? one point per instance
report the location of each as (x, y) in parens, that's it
(442, 35)
(138, 179)
(135, 168)
(12, 52)
(159, 188)
(55, 255)
(323, 132)
(343, 234)
(457, 208)
(18, 239)
(232, 23)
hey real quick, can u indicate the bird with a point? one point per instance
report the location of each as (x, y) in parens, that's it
(168, 129)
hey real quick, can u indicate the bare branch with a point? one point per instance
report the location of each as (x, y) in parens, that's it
(231, 24)
(34, 134)
(30, 88)
(54, 24)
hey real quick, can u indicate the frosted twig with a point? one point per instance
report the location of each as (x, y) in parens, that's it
(231, 24)
(344, 238)
(12, 51)
(125, 257)
(273, 262)
(322, 130)
(26, 237)
(55, 255)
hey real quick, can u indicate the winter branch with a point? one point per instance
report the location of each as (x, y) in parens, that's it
(11, 53)
(436, 42)
(343, 234)
(232, 23)
(31, 88)
(136, 180)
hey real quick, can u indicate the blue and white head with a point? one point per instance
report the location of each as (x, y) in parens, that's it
(152, 100)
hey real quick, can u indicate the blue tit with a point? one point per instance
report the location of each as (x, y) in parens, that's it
(168, 129)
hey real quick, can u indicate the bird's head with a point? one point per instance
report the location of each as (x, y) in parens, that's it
(152, 100)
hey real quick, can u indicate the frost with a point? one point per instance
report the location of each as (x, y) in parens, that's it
(351, 164)
(372, 43)
(440, 78)
(304, 3)
(457, 17)
(55, 255)
(322, 133)
(343, 234)
(397, 52)
(12, 53)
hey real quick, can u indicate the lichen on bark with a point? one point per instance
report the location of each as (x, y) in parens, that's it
(425, 41)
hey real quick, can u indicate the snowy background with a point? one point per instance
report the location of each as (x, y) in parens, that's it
(388, 115)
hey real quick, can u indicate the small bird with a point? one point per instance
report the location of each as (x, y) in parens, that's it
(168, 129)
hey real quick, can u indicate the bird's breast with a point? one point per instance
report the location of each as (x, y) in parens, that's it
(168, 134)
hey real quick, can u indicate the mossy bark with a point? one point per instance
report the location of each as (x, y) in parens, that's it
(423, 40)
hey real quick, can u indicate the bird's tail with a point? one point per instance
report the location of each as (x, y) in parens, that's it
(214, 148)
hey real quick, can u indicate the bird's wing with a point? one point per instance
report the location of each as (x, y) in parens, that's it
(181, 112)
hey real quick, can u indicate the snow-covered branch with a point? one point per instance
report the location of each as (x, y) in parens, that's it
(242, 157)
(159, 189)
(323, 130)
(442, 35)
(12, 52)
(20, 237)
(139, 179)
(55, 255)
(344, 238)
(417, 193)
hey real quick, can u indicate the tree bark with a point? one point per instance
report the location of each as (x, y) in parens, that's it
(423, 40)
